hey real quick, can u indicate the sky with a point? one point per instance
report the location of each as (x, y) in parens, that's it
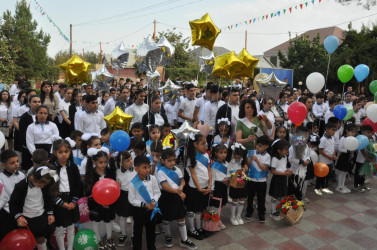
(111, 22)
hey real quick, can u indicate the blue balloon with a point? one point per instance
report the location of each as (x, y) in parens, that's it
(340, 112)
(363, 141)
(361, 72)
(331, 44)
(120, 140)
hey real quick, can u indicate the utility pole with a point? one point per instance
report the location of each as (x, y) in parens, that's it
(70, 41)
(246, 39)
(100, 51)
(154, 32)
(83, 54)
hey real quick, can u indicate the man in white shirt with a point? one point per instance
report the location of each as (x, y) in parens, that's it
(195, 81)
(186, 110)
(238, 84)
(91, 120)
(211, 108)
(348, 100)
(139, 108)
(109, 106)
(199, 105)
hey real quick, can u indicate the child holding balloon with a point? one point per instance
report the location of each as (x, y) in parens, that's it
(70, 190)
(96, 169)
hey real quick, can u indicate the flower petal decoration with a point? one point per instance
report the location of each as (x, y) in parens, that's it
(76, 70)
(204, 32)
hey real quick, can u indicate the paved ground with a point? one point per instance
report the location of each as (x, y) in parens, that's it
(339, 221)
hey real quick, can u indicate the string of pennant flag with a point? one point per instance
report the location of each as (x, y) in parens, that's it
(274, 14)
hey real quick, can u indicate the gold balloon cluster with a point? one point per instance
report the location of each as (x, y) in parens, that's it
(230, 65)
(118, 120)
(75, 69)
(204, 32)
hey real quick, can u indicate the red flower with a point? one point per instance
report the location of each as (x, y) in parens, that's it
(294, 206)
(278, 206)
(171, 140)
(215, 218)
(285, 210)
(283, 201)
(207, 217)
(287, 197)
(202, 215)
(293, 201)
(260, 117)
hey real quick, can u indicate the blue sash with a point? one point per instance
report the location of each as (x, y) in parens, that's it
(171, 174)
(148, 143)
(77, 160)
(142, 190)
(202, 159)
(219, 166)
(232, 171)
(158, 165)
(254, 173)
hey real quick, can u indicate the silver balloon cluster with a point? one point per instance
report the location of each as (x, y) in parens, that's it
(119, 57)
(168, 50)
(101, 79)
(270, 86)
(170, 91)
(206, 63)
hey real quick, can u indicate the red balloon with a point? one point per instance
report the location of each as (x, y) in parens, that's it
(297, 112)
(21, 239)
(368, 121)
(106, 192)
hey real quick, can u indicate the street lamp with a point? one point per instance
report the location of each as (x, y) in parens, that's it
(300, 84)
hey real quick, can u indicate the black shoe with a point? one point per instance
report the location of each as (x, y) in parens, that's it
(168, 241)
(195, 234)
(188, 244)
(122, 240)
(110, 244)
(248, 216)
(203, 233)
(262, 219)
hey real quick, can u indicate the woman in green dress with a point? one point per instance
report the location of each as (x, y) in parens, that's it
(249, 127)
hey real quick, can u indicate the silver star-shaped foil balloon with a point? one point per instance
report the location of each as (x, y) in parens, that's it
(270, 86)
(153, 79)
(102, 74)
(119, 56)
(168, 50)
(170, 91)
(182, 133)
(149, 55)
(206, 63)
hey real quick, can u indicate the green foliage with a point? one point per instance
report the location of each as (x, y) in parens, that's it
(52, 73)
(7, 62)
(30, 45)
(92, 57)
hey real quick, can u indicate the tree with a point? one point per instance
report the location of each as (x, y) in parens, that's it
(7, 61)
(30, 45)
(92, 57)
(365, 3)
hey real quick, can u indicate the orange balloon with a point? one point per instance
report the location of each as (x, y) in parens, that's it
(321, 169)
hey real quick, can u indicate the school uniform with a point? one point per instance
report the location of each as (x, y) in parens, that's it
(91, 122)
(299, 171)
(196, 201)
(209, 116)
(70, 190)
(6, 113)
(41, 135)
(72, 111)
(77, 156)
(258, 184)
(34, 204)
(343, 163)
(187, 106)
(359, 179)
(218, 138)
(171, 205)
(329, 113)
(25, 120)
(235, 193)
(64, 128)
(279, 183)
(137, 111)
(141, 216)
(327, 144)
(124, 178)
(219, 173)
(7, 183)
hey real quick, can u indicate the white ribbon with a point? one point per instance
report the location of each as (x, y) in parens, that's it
(313, 138)
(71, 142)
(55, 138)
(223, 120)
(192, 136)
(94, 151)
(237, 145)
(45, 170)
(87, 136)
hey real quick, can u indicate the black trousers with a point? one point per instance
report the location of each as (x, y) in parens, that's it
(142, 218)
(294, 190)
(7, 223)
(322, 182)
(259, 188)
(358, 179)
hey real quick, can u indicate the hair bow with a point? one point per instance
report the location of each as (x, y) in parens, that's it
(71, 142)
(237, 145)
(45, 170)
(313, 138)
(192, 136)
(223, 120)
(94, 151)
(55, 137)
(217, 144)
(87, 136)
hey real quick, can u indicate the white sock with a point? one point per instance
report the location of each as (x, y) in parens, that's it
(70, 236)
(198, 222)
(42, 246)
(273, 204)
(95, 226)
(190, 221)
(305, 186)
(339, 177)
(182, 230)
(122, 224)
(240, 208)
(233, 209)
(59, 235)
(166, 227)
(109, 229)
(344, 175)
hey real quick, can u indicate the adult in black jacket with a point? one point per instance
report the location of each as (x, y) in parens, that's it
(154, 116)
(225, 111)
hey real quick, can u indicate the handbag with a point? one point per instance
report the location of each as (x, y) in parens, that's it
(5, 129)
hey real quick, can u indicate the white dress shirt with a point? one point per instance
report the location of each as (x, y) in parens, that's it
(201, 173)
(163, 178)
(188, 106)
(64, 181)
(91, 122)
(109, 106)
(40, 133)
(327, 144)
(34, 203)
(170, 113)
(200, 103)
(124, 178)
(7, 182)
(210, 111)
(6, 113)
(63, 106)
(152, 187)
(319, 110)
(137, 111)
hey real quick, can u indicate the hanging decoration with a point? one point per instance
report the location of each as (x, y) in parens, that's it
(76, 70)
(204, 32)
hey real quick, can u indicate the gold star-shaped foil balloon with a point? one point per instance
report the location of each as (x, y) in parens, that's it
(75, 69)
(118, 120)
(228, 65)
(250, 63)
(204, 32)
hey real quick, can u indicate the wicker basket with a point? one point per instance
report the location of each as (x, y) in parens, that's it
(293, 216)
(234, 182)
(212, 226)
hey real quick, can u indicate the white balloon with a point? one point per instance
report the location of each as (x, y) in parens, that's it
(315, 82)
(314, 157)
(351, 143)
(372, 112)
(2, 139)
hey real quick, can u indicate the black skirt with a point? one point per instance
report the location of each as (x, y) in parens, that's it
(64, 129)
(343, 163)
(278, 186)
(46, 147)
(65, 217)
(195, 201)
(38, 225)
(220, 191)
(237, 193)
(17, 145)
(99, 213)
(123, 206)
(172, 206)
(309, 171)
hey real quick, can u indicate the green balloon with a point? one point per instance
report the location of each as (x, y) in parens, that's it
(373, 87)
(349, 113)
(345, 73)
(85, 239)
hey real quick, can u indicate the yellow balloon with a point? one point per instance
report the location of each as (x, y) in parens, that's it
(204, 32)
(76, 70)
(250, 63)
(169, 141)
(227, 65)
(118, 120)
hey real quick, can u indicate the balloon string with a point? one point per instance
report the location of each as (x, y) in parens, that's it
(328, 67)
(35, 242)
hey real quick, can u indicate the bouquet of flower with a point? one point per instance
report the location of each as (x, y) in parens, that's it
(238, 179)
(291, 209)
(210, 219)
